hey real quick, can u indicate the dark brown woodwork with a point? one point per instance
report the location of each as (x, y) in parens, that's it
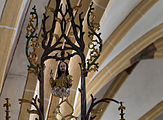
(7, 105)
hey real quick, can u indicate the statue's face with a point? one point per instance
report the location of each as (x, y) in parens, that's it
(62, 67)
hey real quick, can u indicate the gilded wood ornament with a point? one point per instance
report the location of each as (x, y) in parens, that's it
(32, 42)
(95, 45)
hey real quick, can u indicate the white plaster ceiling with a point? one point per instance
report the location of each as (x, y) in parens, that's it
(119, 10)
(140, 92)
(150, 20)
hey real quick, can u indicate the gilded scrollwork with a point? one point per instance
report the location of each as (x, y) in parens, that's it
(32, 43)
(95, 44)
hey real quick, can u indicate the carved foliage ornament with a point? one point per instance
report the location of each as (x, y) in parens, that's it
(32, 42)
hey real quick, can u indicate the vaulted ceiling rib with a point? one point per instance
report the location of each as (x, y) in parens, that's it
(154, 112)
(9, 26)
(147, 53)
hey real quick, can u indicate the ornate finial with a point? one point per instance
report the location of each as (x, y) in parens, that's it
(7, 105)
(121, 109)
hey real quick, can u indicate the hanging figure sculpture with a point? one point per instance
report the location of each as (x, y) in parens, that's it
(63, 82)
